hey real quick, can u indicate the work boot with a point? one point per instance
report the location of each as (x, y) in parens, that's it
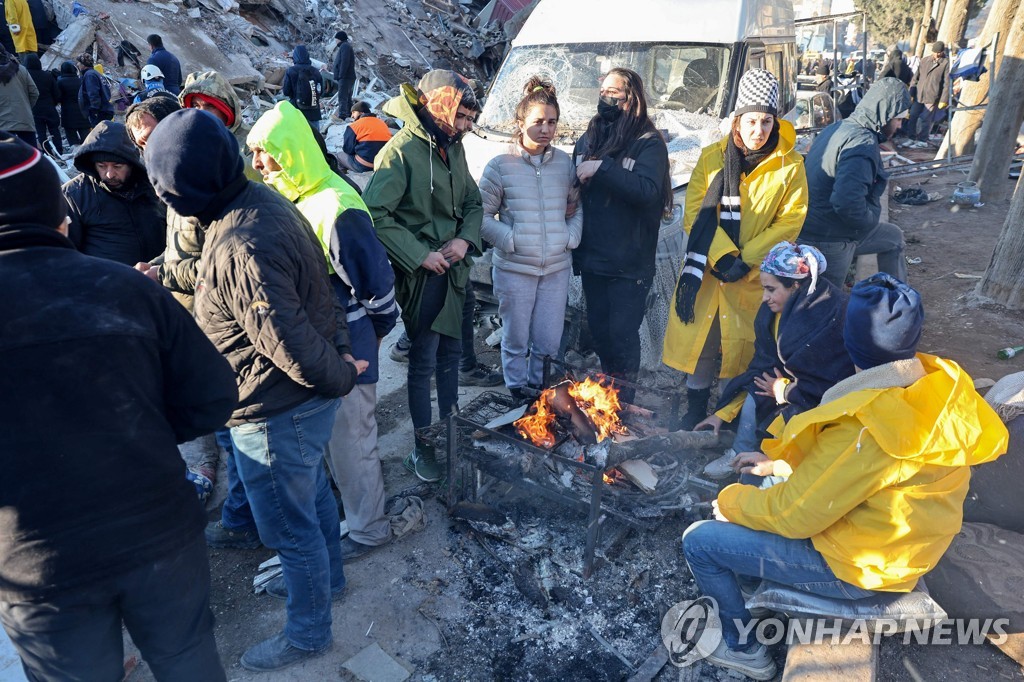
(422, 461)
(276, 653)
(696, 408)
(219, 537)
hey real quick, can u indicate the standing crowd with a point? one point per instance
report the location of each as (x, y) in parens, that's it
(260, 284)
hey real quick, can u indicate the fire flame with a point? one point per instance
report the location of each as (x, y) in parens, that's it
(599, 402)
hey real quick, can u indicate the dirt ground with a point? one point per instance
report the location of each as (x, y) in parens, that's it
(455, 604)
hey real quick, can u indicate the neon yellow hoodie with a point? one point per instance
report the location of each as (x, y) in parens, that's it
(880, 471)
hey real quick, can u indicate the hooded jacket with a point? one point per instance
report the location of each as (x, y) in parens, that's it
(18, 12)
(94, 97)
(18, 94)
(808, 350)
(531, 234)
(170, 66)
(359, 267)
(303, 84)
(263, 295)
(419, 201)
(68, 85)
(880, 471)
(773, 203)
(46, 105)
(845, 176)
(126, 225)
(101, 489)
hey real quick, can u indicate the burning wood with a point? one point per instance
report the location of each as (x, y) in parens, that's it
(588, 409)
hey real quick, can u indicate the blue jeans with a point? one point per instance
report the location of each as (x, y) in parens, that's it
(718, 553)
(746, 428)
(236, 514)
(431, 352)
(281, 464)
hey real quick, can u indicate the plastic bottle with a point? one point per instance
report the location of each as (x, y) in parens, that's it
(1007, 353)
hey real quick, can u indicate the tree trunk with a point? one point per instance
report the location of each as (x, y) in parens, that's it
(966, 123)
(1002, 281)
(953, 23)
(926, 24)
(1003, 118)
(914, 30)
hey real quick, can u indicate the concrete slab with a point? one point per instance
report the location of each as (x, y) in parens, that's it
(852, 662)
(373, 664)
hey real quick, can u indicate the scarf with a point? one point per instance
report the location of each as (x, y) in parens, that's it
(719, 208)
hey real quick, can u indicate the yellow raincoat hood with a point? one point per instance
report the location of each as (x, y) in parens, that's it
(880, 471)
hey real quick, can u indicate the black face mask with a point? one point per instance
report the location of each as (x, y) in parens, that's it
(608, 108)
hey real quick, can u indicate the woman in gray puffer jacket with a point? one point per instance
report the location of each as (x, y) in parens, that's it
(532, 191)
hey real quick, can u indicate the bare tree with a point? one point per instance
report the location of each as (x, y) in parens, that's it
(915, 29)
(954, 22)
(926, 24)
(1003, 281)
(966, 123)
(1003, 117)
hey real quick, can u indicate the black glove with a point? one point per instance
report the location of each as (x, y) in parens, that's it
(729, 268)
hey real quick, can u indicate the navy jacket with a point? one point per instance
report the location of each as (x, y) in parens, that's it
(809, 352)
(94, 97)
(102, 373)
(303, 84)
(845, 178)
(344, 65)
(171, 68)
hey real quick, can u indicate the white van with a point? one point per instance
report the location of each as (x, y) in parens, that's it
(690, 54)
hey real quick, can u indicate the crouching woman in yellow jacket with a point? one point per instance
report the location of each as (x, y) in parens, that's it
(879, 473)
(747, 193)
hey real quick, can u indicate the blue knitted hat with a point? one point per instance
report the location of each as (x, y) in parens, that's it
(884, 319)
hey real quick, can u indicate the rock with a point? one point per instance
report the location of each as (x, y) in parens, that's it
(194, 13)
(72, 41)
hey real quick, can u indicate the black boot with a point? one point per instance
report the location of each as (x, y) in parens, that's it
(696, 408)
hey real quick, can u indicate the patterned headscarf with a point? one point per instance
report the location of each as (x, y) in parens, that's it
(442, 92)
(795, 261)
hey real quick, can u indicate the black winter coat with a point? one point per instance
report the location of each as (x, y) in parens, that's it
(930, 80)
(845, 178)
(344, 65)
(303, 85)
(809, 352)
(128, 226)
(94, 96)
(49, 95)
(622, 208)
(264, 298)
(102, 373)
(68, 85)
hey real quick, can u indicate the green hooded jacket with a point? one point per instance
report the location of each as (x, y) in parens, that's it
(284, 133)
(418, 202)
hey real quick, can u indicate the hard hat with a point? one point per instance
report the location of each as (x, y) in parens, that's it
(151, 71)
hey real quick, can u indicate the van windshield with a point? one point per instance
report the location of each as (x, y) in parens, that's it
(680, 79)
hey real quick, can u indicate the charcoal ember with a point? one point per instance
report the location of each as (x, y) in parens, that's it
(474, 511)
(526, 582)
(562, 594)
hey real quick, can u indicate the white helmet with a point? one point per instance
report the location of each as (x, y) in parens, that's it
(151, 71)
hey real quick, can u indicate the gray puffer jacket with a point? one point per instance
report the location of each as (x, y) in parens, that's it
(531, 234)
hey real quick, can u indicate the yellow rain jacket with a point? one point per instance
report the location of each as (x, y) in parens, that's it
(17, 12)
(880, 471)
(773, 204)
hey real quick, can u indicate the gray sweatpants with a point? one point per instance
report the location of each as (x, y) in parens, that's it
(355, 466)
(532, 310)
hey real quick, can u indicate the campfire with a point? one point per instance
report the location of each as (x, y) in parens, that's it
(588, 409)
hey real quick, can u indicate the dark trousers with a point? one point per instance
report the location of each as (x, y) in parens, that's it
(26, 136)
(922, 119)
(468, 361)
(345, 88)
(165, 606)
(96, 116)
(431, 353)
(47, 126)
(76, 136)
(615, 309)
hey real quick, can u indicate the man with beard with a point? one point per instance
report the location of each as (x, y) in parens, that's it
(113, 210)
(845, 180)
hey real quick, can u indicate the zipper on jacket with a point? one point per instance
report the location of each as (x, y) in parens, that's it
(543, 214)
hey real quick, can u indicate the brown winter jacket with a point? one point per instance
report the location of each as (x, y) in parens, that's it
(263, 297)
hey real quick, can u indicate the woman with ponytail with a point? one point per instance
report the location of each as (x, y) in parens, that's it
(622, 165)
(747, 193)
(531, 218)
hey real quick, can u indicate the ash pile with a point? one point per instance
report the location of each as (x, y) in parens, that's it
(567, 516)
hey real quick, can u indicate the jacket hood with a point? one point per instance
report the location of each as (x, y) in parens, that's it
(212, 84)
(284, 133)
(32, 62)
(198, 162)
(406, 107)
(300, 55)
(108, 137)
(887, 99)
(68, 69)
(924, 409)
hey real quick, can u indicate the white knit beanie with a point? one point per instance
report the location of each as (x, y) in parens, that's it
(758, 92)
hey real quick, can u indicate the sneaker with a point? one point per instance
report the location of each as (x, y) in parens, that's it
(276, 653)
(275, 587)
(721, 468)
(219, 537)
(352, 550)
(756, 663)
(423, 462)
(481, 375)
(399, 352)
